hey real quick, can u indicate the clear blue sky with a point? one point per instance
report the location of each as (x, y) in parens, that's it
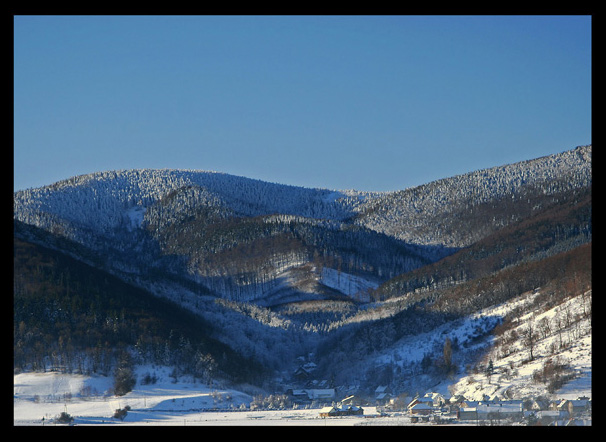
(340, 102)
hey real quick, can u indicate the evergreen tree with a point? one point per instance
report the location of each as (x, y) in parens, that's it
(124, 377)
(489, 370)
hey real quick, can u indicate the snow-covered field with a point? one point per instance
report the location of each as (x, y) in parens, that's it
(40, 397)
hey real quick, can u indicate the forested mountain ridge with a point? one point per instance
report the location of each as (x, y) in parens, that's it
(235, 236)
(107, 201)
(460, 210)
(275, 269)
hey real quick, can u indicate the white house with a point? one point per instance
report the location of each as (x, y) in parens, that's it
(321, 394)
(498, 410)
(437, 398)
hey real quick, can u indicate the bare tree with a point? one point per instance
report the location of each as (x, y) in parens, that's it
(544, 326)
(448, 355)
(530, 337)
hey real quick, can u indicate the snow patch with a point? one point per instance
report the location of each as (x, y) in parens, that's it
(135, 217)
(348, 284)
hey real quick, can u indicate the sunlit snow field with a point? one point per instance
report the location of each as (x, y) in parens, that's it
(40, 397)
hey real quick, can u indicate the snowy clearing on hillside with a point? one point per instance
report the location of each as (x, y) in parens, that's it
(350, 285)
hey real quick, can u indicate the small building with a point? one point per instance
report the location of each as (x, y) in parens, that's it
(321, 394)
(302, 374)
(421, 408)
(499, 410)
(573, 406)
(503, 409)
(328, 412)
(456, 399)
(547, 417)
(467, 413)
(437, 398)
(351, 410)
(469, 404)
(298, 395)
(382, 394)
(421, 400)
(312, 394)
(346, 410)
(539, 404)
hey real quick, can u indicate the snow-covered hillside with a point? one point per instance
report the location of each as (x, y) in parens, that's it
(561, 363)
(562, 341)
(105, 201)
(39, 398)
(430, 213)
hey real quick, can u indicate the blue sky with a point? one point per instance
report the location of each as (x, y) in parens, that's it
(365, 102)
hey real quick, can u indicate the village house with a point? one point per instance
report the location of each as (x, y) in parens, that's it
(312, 394)
(297, 395)
(573, 407)
(421, 408)
(304, 372)
(324, 394)
(328, 411)
(539, 404)
(505, 409)
(508, 402)
(546, 417)
(398, 403)
(382, 394)
(417, 400)
(469, 404)
(437, 398)
(347, 390)
(467, 413)
(342, 410)
(456, 399)
(301, 374)
(491, 410)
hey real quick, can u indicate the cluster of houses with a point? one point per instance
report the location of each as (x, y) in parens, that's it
(422, 408)
(561, 412)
